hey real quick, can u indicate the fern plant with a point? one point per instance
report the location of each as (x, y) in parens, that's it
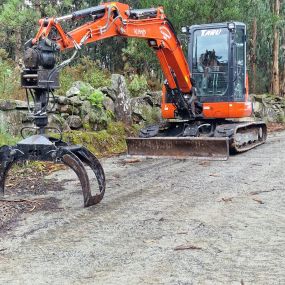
(96, 99)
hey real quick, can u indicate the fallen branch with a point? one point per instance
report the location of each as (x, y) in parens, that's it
(20, 201)
(265, 191)
(258, 201)
(214, 175)
(187, 247)
(226, 199)
(131, 161)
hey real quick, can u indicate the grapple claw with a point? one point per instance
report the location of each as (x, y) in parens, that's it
(40, 148)
(6, 162)
(75, 161)
(91, 160)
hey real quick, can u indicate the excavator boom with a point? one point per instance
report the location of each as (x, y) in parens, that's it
(117, 19)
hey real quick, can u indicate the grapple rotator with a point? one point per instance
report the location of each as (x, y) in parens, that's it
(40, 78)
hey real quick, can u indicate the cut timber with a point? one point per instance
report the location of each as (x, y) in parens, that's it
(180, 147)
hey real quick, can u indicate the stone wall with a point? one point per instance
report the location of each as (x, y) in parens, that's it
(78, 111)
(269, 108)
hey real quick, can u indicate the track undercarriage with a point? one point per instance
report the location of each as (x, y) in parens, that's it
(212, 140)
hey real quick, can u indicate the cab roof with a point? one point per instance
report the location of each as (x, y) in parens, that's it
(214, 25)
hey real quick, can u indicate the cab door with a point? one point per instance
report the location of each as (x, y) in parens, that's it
(240, 107)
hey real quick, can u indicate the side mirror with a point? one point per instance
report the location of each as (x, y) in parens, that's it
(185, 30)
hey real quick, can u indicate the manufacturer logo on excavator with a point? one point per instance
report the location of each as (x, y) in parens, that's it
(212, 32)
(140, 32)
(166, 33)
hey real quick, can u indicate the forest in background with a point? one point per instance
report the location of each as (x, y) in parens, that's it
(266, 41)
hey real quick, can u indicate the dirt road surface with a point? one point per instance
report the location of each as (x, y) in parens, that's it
(161, 222)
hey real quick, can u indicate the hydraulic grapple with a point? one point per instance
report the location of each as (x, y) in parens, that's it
(40, 78)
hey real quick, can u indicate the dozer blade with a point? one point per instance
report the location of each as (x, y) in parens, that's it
(180, 147)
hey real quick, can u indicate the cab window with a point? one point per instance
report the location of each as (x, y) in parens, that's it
(239, 76)
(210, 62)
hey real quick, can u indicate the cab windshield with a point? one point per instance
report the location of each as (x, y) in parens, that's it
(210, 61)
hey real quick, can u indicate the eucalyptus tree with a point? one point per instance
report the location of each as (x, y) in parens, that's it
(16, 20)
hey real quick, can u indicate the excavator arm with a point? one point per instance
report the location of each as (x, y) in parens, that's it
(117, 19)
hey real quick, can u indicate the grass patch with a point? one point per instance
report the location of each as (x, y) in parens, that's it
(9, 78)
(6, 138)
(103, 143)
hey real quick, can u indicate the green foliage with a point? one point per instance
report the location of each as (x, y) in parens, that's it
(99, 118)
(110, 115)
(152, 116)
(92, 74)
(138, 85)
(280, 118)
(96, 99)
(16, 20)
(9, 76)
(134, 57)
(106, 142)
(5, 137)
(86, 71)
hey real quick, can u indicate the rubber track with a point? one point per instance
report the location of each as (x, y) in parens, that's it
(244, 127)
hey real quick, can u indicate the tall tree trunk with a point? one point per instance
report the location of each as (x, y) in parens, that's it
(283, 69)
(253, 55)
(18, 45)
(275, 84)
(37, 4)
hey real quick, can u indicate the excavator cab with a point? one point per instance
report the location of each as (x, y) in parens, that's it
(217, 60)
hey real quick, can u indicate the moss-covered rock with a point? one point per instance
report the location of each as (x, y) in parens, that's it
(74, 122)
(143, 110)
(7, 105)
(102, 143)
(79, 88)
(69, 109)
(269, 108)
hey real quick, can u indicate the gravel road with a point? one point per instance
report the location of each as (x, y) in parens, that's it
(161, 222)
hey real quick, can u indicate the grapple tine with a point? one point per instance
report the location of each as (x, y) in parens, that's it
(180, 147)
(77, 166)
(90, 160)
(6, 162)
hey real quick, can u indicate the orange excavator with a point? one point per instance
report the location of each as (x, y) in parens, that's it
(203, 108)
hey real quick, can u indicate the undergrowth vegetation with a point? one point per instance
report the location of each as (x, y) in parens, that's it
(96, 98)
(138, 85)
(87, 71)
(5, 137)
(9, 77)
(106, 142)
